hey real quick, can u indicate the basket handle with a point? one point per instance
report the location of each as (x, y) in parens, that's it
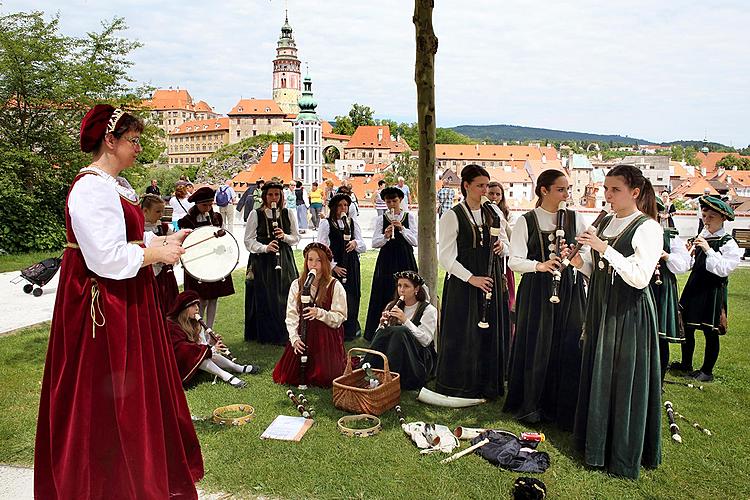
(386, 367)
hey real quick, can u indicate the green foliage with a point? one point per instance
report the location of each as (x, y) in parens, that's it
(682, 204)
(405, 165)
(731, 161)
(343, 125)
(510, 133)
(166, 176)
(358, 115)
(687, 154)
(47, 82)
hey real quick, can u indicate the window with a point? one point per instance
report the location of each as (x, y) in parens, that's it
(283, 83)
(302, 136)
(238, 121)
(254, 121)
(255, 132)
(301, 155)
(238, 133)
(269, 121)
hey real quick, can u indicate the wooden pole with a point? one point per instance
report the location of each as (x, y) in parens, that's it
(424, 77)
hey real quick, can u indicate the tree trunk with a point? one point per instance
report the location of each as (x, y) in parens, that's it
(424, 77)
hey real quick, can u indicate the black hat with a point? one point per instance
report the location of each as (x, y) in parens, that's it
(182, 302)
(337, 198)
(202, 195)
(392, 192)
(272, 185)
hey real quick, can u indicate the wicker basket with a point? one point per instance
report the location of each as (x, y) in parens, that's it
(351, 394)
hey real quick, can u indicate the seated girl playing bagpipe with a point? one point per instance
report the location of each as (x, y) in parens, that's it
(407, 329)
(195, 349)
(315, 352)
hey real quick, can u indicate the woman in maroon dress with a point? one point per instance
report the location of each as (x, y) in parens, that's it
(324, 344)
(113, 419)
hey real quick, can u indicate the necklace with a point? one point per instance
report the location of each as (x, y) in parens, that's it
(479, 228)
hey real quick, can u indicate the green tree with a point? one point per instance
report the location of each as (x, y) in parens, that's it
(343, 125)
(450, 136)
(47, 82)
(731, 161)
(361, 115)
(405, 165)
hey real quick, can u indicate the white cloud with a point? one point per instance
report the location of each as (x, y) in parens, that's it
(656, 70)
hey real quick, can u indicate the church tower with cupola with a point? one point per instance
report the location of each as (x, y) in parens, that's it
(308, 132)
(286, 71)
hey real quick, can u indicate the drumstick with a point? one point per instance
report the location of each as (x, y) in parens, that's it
(217, 234)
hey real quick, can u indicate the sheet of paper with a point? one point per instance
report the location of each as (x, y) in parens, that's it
(286, 428)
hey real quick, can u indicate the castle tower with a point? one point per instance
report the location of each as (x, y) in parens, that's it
(308, 132)
(286, 71)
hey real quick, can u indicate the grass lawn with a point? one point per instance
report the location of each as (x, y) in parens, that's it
(326, 464)
(16, 262)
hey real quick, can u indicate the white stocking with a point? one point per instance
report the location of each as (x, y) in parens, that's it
(226, 364)
(209, 366)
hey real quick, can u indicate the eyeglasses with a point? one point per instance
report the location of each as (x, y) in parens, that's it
(135, 141)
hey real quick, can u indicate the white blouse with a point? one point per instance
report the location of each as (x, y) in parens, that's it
(98, 222)
(547, 222)
(333, 318)
(410, 233)
(448, 246)
(724, 261)
(679, 259)
(425, 332)
(180, 207)
(251, 231)
(647, 243)
(324, 234)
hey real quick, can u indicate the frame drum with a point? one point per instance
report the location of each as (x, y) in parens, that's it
(209, 257)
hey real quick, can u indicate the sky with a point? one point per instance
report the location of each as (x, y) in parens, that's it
(660, 71)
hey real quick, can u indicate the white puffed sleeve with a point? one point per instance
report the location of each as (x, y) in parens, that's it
(292, 314)
(724, 261)
(251, 235)
(98, 223)
(519, 247)
(324, 230)
(337, 315)
(293, 237)
(637, 269)
(425, 332)
(679, 259)
(411, 233)
(358, 237)
(448, 247)
(378, 238)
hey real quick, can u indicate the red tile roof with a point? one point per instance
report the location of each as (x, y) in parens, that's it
(693, 187)
(366, 136)
(327, 127)
(265, 169)
(203, 106)
(256, 107)
(340, 137)
(708, 161)
(362, 184)
(505, 176)
(164, 99)
(202, 126)
(487, 152)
